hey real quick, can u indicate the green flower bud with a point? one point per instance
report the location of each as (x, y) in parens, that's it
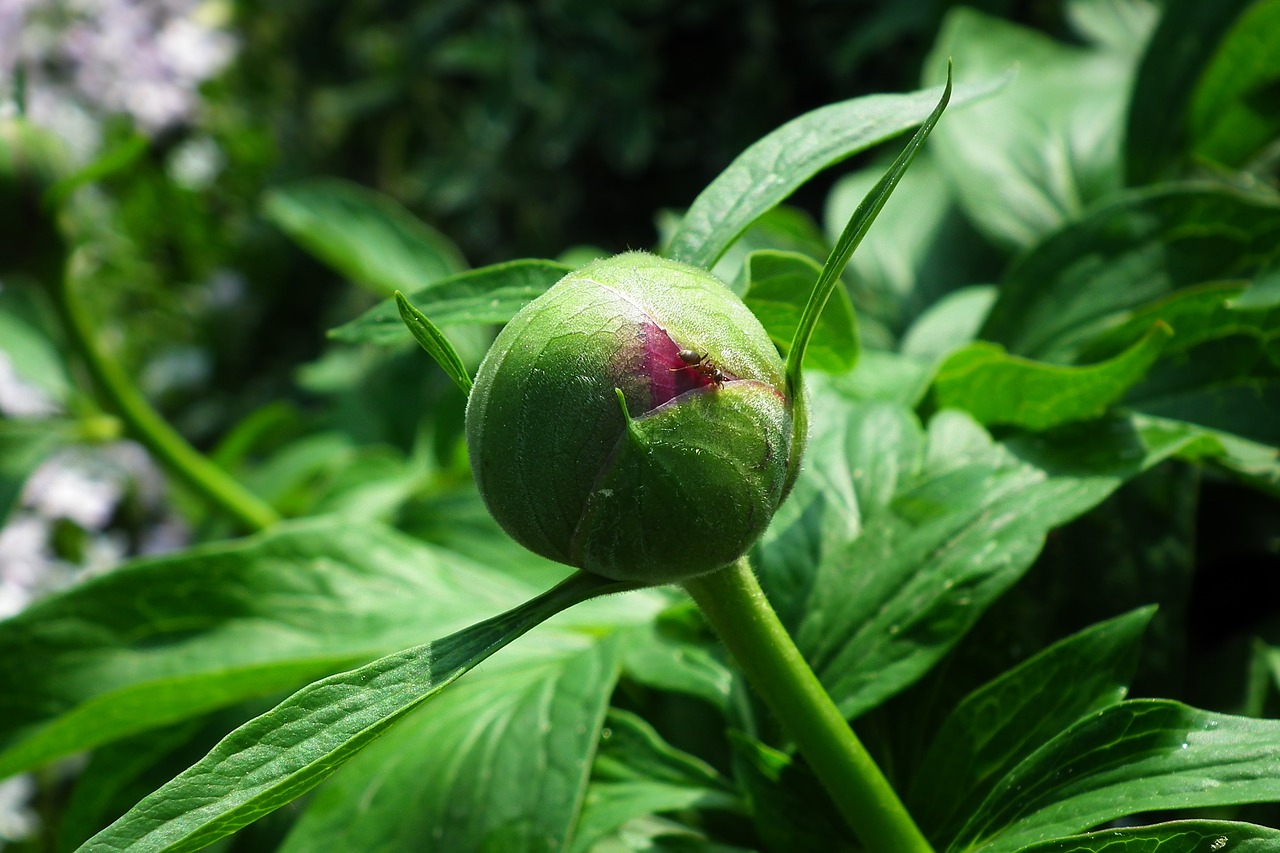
(632, 422)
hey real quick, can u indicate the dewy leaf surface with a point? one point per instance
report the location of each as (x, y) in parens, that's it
(490, 294)
(366, 236)
(774, 167)
(280, 755)
(1138, 756)
(500, 761)
(998, 388)
(165, 639)
(964, 524)
(1001, 723)
(1140, 247)
(1184, 836)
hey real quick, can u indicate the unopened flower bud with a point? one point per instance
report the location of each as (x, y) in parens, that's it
(632, 422)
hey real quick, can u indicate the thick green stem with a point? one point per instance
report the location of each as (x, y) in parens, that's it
(146, 425)
(737, 608)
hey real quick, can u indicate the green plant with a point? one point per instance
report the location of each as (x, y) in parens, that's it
(1126, 359)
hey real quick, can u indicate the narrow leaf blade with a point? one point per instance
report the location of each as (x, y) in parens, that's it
(778, 285)
(434, 342)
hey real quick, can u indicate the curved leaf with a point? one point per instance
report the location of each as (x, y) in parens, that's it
(282, 754)
(435, 342)
(490, 294)
(1134, 757)
(998, 388)
(1184, 836)
(775, 166)
(167, 639)
(365, 235)
(778, 285)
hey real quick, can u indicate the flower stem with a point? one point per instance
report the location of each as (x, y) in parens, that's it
(147, 425)
(737, 608)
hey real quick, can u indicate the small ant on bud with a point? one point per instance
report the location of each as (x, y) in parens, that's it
(702, 363)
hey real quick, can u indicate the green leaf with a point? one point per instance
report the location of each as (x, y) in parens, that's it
(637, 774)
(775, 166)
(966, 520)
(1256, 463)
(1167, 79)
(366, 236)
(118, 158)
(949, 323)
(282, 754)
(920, 249)
(778, 285)
(1001, 723)
(434, 342)
(655, 658)
(1184, 836)
(997, 388)
(490, 294)
(1235, 109)
(1093, 274)
(500, 761)
(1138, 756)
(859, 223)
(166, 639)
(790, 810)
(1026, 162)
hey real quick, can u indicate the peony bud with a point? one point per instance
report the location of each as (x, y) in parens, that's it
(632, 422)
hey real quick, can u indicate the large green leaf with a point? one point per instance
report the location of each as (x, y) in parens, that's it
(1138, 756)
(1184, 836)
(920, 248)
(366, 236)
(778, 286)
(1095, 273)
(459, 773)
(998, 725)
(1188, 35)
(282, 754)
(775, 166)
(490, 294)
(166, 639)
(1235, 109)
(966, 520)
(998, 388)
(1033, 158)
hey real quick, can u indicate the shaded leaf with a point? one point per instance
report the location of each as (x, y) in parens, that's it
(998, 388)
(949, 323)
(778, 286)
(24, 444)
(1142, 246)
(280, 755)
(490, 294)
(1138, 756)
(1188, 34)
(1001, 723)
(775, 166)
(365, 235)
(1235, 109)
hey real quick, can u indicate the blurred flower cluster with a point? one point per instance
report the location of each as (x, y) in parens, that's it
(85, 60)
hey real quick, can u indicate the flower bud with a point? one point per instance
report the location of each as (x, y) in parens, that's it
(631, 421)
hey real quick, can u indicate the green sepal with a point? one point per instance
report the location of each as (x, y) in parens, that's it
(434, 342)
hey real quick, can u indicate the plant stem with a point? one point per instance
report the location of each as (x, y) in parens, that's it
(737, 608)
(146, 424)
